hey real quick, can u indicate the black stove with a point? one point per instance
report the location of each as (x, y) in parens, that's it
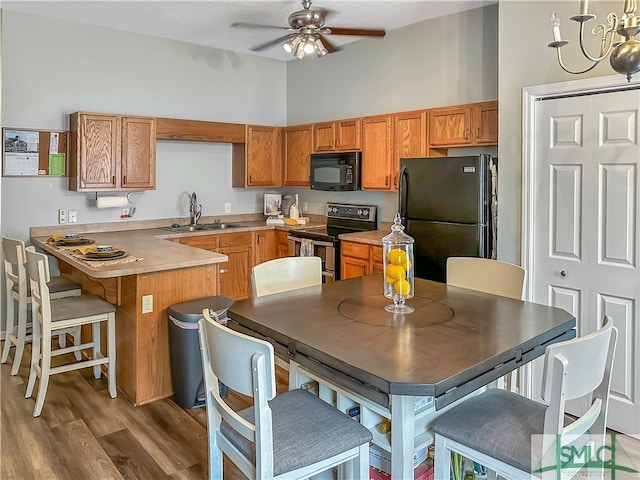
(342, 218)
(324, 242)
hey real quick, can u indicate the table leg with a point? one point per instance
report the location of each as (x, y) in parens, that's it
(402, 433)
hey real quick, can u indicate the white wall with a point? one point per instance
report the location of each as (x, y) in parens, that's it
(525, 60)
(52, 68)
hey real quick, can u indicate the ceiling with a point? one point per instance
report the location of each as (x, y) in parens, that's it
(208, 22)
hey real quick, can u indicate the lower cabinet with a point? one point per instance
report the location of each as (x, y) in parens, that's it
(264, 246)
(282, 246)
(358, 259)
(235, 274)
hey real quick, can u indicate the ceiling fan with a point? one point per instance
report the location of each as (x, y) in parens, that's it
(307, 32)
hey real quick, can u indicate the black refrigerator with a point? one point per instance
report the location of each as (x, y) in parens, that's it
(449, 206)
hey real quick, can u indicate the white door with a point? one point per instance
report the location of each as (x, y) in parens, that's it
(585, 238)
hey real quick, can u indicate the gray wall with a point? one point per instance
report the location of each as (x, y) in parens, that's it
(52, 68)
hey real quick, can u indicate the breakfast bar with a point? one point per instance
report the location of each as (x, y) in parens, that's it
(456, 342)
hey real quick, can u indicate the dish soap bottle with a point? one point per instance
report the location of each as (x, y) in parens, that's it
(294, 213)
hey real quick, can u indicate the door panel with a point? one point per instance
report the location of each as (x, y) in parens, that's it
(585, 239)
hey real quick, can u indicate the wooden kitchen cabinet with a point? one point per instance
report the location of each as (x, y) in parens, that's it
(358, 259)
(282, 243)
(264, 246)
(377, 153)
(297, 142)
(235, 274)
(111, 152)
(409, 140)
(257, 162)
(341, 135)
(465, 125)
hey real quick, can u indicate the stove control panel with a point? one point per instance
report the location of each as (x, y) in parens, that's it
(366, 213)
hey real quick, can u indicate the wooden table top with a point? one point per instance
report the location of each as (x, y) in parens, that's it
(455, 338)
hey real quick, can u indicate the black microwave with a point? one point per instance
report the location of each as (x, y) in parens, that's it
(339, 171)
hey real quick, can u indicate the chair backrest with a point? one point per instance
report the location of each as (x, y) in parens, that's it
(284, 274)
(14, 260)
(39, 276)
(244, 364)
(486, 275)
(575, 368)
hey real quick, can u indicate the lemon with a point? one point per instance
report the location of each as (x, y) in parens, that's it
(397, 256)
(395, 271)
(390, 280)
(402, 287)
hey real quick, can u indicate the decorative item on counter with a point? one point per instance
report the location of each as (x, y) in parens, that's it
(287, 201)
(397, 249)
(294, 212)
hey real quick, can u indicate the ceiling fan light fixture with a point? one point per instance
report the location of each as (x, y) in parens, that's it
(309, 44)
(290, 45)
(299, 51)
(321, 50)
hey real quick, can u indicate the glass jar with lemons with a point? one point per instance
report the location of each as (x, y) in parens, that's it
(397, 250)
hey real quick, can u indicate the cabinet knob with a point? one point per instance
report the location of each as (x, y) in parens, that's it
(386, 180)
(466, 134)
(222, 270)
(563, 274)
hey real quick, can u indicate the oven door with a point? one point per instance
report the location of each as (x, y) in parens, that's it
(325, 250)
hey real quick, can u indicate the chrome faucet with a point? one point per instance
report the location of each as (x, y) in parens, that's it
(195, 210)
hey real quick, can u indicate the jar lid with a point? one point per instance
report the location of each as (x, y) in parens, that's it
(397, 234)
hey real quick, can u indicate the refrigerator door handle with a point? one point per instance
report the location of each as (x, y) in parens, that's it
(403, 192)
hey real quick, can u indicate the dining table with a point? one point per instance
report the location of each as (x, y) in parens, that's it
(452, 345)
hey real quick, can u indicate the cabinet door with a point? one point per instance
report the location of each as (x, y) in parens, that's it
(450, 126)
(262, 157)
(283, 243)
(409, 139)
(377, 262)
(297, 148)
(206, 242)
(264, 246)
(324, 137)
(486, 121)
(235, 274)
(353, 267)
(376, 153)
(98, 162)
(348, 135)
(138, 153)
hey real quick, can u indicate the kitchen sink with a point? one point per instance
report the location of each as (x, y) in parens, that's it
(202, 227)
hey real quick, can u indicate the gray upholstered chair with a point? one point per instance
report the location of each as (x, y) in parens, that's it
(292, 435)
(18, 294)
(514, 436)
(61, 315)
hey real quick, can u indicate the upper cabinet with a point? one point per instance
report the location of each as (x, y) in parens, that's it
(409, 139)
(297, 148)
(377, 153)
(464, 125)
(257, 162)
(112, 152)
(342, 135)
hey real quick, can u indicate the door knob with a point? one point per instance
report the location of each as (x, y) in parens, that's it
(563, 274)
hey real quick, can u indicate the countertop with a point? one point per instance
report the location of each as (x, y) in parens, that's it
(373, 237)
(151, 245)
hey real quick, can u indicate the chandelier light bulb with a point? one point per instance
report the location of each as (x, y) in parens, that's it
(309, 44)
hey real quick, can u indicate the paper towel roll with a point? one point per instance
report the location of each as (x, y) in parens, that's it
(111, 202)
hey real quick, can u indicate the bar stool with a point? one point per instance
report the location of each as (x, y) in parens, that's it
(17, 291)
(53, 317)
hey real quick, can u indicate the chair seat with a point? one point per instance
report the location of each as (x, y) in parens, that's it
(298, 441)
(497, 423)
(57, 285)
(78, 307)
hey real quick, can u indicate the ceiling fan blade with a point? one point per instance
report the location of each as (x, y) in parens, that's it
(257, 25)
(270, 43)
(328, 45)
(363, 32)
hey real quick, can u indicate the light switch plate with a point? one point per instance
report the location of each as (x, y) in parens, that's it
(72, 216)
(227, 207)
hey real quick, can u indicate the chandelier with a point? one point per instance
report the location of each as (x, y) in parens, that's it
(304, 43)
(624, 55)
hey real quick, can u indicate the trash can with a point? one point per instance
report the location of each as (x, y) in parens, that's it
(184, 347)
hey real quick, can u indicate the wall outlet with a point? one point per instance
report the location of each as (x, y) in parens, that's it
(147, 303)
(62, 216)
(304, 207)
(227, 207)
(72, 216)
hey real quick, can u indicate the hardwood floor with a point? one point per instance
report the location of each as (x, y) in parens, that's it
(82, 433)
